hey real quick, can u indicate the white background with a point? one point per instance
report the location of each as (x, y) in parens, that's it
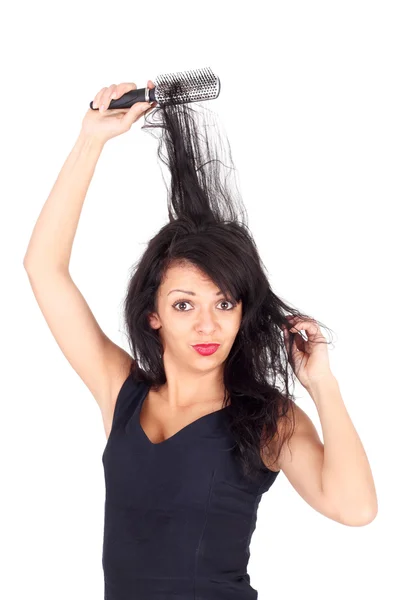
(309, 100)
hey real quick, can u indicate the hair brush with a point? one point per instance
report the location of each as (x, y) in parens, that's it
(173, 88)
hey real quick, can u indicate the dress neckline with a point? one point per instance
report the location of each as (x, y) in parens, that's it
(216, 413)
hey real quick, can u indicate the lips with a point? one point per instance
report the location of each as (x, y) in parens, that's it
(206, 349)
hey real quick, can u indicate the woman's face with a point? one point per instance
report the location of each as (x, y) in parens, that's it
(196, 315)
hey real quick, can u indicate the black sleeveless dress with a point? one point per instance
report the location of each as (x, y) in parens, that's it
(179, 516)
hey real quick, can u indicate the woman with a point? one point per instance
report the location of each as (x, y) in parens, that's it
(194, 436)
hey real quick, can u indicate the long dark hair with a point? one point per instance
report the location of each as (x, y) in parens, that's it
(208, 228)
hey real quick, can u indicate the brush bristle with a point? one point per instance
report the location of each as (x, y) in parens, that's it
(187, 86)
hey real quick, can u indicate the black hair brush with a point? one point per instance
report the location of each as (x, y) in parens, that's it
(173, 88)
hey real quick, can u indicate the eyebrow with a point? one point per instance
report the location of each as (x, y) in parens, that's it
(191, 293)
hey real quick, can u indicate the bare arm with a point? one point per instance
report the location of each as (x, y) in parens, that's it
(51, 242)
(100, 363)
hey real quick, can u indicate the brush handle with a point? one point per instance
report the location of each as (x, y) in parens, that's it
(130, 98)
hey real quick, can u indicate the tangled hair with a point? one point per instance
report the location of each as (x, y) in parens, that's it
(208, 228)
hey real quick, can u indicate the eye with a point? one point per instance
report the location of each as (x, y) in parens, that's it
(182, 301)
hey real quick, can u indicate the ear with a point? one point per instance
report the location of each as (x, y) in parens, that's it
(154, 321)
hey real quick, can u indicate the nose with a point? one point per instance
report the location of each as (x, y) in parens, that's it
(206, 323)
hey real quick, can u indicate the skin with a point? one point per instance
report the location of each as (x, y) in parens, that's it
(194, 382)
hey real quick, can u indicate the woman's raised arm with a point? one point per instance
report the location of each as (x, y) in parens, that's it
(101, 364)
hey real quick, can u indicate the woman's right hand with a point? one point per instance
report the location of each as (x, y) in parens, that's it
(104, 124)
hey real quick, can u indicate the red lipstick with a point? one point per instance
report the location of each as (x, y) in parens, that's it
(206, 349)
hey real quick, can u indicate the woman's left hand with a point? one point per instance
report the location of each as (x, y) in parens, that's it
(310, 357)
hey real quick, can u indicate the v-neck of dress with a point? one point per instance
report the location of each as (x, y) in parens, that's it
(178, 433)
